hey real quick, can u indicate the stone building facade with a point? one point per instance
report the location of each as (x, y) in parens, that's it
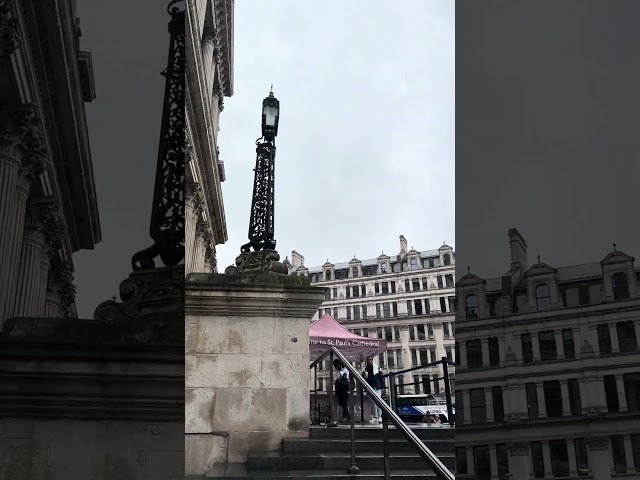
(407, 298)
(209, 78)
(48, 205)
(548, 382)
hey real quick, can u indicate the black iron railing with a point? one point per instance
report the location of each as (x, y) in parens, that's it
(388, 415)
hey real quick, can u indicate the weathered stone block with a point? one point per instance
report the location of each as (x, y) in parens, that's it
(202, 451)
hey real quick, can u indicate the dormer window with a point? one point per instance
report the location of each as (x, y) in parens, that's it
(620, 286)
(543, 297)
(471, 307)
(327, 275)
(414, 264)
(383, 267)
(446, 258)
(354, 271)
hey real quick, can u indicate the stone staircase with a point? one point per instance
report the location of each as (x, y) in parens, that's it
(327, 455)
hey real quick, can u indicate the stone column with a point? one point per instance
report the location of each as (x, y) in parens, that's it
(471, 461)
(466, 407)
(628, 452)
(406, 354)
(599, 460)
(542, 405)
(519, 461)
(193, 208)
(462, 361)
(22, 160)
(488, 400)
(559, 344)
(613, 332)
(535, 345)
(493, 461)
(622, 398)
(571, 453)
(485, 352)
(566, 404)
(42, 225)
(246, 364)
(200, 246)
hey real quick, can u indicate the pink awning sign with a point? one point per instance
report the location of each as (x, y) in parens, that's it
(326, 333)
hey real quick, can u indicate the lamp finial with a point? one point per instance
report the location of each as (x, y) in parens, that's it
(271, 91)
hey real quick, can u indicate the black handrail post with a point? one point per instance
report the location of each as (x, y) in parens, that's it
(353, 469)
(315, 393)
(361, 404)
(447, 390)
(330, 421)
(385, 439)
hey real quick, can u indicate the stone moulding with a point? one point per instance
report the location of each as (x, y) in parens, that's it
(265, 262)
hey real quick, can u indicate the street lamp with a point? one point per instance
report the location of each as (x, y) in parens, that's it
(261, 222)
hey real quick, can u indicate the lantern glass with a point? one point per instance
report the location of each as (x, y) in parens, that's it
(270, 113)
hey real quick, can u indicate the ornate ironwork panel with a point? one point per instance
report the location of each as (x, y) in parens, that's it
(168, 214)
(261, 224)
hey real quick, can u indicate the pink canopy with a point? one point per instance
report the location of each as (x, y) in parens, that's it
(326, 333)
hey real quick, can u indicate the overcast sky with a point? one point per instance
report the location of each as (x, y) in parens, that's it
(366, 139)
(547, 122)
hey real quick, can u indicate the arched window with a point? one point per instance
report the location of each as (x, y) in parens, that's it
(327, 274)
(620, 286)
(471, 307)
(414, 264)
(543, 297)
(354, 271)
(446, 258)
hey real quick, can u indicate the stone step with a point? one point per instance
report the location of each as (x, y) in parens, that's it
(340, 474)
(370, 431)
(279, 461)
(375, 445)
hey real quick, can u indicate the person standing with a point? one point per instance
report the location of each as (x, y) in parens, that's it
(373, 376)
(343, 385)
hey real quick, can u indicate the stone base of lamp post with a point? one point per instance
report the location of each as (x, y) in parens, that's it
(264, 261)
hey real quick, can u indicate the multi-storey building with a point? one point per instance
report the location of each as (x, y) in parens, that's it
(548, 378)
(408, 299)
(209, 78)
(48, 204)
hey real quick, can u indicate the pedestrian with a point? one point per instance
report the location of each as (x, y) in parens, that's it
(373, 375)
(343, 385)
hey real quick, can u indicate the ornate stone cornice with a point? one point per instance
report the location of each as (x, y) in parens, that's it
(9, 37)
(518, 448)
(223, 44)
(598, 443)
(262, 262)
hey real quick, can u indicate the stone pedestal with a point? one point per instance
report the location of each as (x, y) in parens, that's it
(247, 364)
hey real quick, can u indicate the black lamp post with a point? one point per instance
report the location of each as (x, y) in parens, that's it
(167, 215)
(261, 223)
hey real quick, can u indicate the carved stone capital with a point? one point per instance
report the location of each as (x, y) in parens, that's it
(210, 258)
(43, 220)
(60, 284)
(193, 195)
(518, 448)
(598, 443)
(9, 38)
(262, 262)
(203, 232)
(209, 35)
(20, 133)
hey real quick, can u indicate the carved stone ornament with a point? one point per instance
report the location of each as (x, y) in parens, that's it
(148, 292)
(515, 418)
(518, 448)
(203, 232)
(598, 443)
(586, 349)
(193, 195)
(60, 284)
(261, 262)
(510, 356)
(9, 38)
(43, 221)
(210, 258)
(20, 133)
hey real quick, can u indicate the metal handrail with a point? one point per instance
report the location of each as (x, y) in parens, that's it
(438, 467)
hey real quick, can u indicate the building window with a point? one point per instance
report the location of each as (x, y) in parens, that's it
(532, 400)
(429, 330)
(390, 359)
(414, 357)
(409, 307)
(547, 342)
(604, 339)
(635, 447)
(567, 343)
(354, 272)
(364, 312)
(627, 341)
(457, 351)
(383, 267)
(376, 287)
(631, 383)
(572, 297)
(396, 333)
(474, 354)
(543, 297)
(335, 312)
(443, 305)
(348, 313)
(379, 332)
(611, 393)
(432, 353)
(552, 398)
(407, 286)
(449, 353)
(582, 456)
(412, 332)
(363, 290)
(420, 329)
(386, 309)
(388, 334)
(398, 358)
(494, 351)
(394, 306)
(461, 461)
(327, 294)
(439, 280)
(595, 294)
(537, 459)
(414, 264)
(348, 292)
(418, 306)
(478, 406)
(381, 360)
(448, 281)
(575, 402)
(559, 458)
(415, 284)
(521, 303)
(424, 356)
(471, 307)
(378, 311)
(620, 286)
(426, 384)
(503, 461)
(452, 303)
(356, 291)
(393, 286)
(619, 457)
(427, 307)
(445, 329)
(527, 348)
(498, 406)
(483, 463)
(385, 288)
(446, 258)
(327, 274)
(356, 312)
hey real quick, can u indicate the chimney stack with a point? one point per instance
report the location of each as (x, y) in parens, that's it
(403, 245)
(518, 249)
(297, 260)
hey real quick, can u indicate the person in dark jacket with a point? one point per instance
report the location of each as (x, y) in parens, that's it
(342, 389)
(373, 376)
